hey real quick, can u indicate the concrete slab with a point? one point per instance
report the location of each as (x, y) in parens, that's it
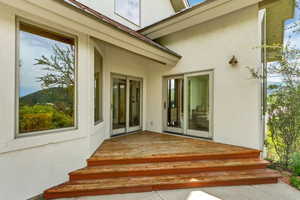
(280, 191)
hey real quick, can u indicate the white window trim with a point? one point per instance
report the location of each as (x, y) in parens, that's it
(19, 20)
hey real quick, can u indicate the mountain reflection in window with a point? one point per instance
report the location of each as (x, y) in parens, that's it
(46, 80)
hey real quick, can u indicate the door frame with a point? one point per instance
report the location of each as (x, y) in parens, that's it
(127, 128)
(184, 130)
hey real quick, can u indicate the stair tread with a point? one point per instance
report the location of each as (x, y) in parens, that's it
(174, 156)
(127, 182)
(169, 166)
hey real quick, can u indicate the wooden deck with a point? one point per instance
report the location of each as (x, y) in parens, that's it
(148, 161)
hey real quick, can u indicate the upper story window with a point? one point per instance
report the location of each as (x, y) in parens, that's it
(194, 2)
(179, 5)
(46, 80)
(129, 9)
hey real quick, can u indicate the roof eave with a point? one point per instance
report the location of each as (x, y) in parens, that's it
(197, 14)
(96, 15)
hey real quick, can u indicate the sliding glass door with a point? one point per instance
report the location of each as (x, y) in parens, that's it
(119, 101)
(188, 104)
(135, 104)
(126, 100)
(199, 104)
(173, 104)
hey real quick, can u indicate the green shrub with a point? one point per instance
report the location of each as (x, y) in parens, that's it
(43, 117)
(296, 164)
(295, 181)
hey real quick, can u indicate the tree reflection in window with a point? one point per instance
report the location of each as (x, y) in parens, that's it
(46, 80)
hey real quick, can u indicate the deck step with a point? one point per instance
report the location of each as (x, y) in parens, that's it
(152, 183)
(147, 161)
(166, 168)
(98, 161)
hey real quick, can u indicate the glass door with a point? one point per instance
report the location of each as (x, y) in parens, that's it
(199, 104)
(135, 104)
(119, 102)
(126, 104)
(174, 104)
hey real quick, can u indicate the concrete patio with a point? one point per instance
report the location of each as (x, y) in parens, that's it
(280, 191)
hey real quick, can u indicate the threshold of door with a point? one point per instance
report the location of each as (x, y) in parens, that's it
(128, 133)
(188, 136)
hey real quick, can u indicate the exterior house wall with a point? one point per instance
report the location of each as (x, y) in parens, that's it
(151, 11)
(210, 46)
(119, 61)
(31, 164)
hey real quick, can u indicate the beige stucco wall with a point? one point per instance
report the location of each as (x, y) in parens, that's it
(29, 165)
(151, 11)
(119, 61)
(209, 46)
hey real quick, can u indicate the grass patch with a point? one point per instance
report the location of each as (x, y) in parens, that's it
(295, 181)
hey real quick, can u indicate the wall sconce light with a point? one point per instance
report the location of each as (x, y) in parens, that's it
(233, 61)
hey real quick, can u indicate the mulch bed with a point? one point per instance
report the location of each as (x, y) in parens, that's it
(286, 177)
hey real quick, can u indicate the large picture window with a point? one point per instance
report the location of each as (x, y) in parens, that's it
(46, 80)
(128, 9)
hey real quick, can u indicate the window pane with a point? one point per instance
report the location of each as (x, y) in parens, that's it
(129, 9)
(194, 2)
(175, 103)
(46, 80)
(135, 103)
(119, 103)
(198, 103)
(98, 86)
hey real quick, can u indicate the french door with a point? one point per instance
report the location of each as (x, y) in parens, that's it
(174, 104)
(126, 104)
(188, 104)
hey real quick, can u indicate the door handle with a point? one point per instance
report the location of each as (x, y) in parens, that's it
(165, 105)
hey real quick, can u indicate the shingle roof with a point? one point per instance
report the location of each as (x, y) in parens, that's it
(118, 25)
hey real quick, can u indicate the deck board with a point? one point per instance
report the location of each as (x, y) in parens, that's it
(149, 145)
(158, 168)
(148, 161)
(136, 184)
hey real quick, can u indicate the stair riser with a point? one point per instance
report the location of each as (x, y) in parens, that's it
(92, 163)
(165, 172)
(159, 187)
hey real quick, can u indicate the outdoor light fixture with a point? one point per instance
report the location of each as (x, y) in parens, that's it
(233, 61)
